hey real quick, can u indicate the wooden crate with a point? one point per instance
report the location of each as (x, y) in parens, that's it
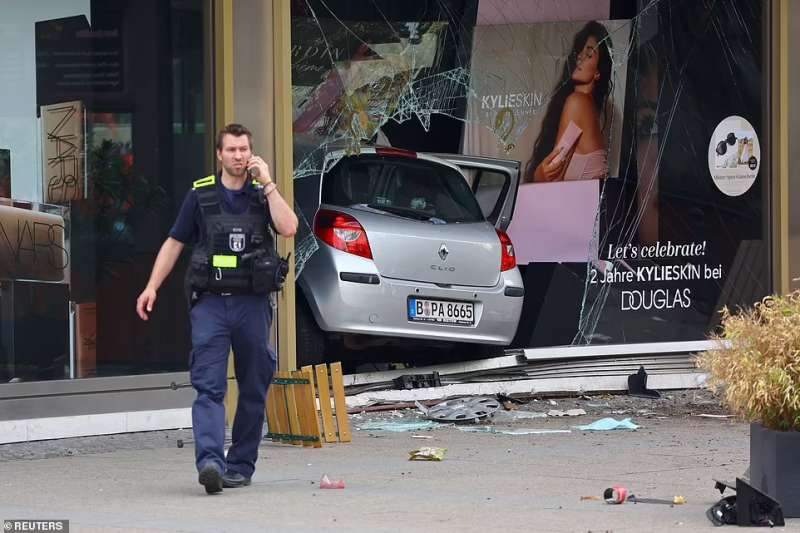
(293, 414)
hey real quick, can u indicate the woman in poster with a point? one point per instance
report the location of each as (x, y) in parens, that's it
(571, 144)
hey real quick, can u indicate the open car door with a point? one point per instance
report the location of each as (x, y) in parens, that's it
(494, 183)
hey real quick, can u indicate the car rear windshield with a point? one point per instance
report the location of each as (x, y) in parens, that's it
(412, 188)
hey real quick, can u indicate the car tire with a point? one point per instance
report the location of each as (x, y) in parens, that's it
(310, 338)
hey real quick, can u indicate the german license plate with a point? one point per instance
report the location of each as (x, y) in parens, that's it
(441, 311)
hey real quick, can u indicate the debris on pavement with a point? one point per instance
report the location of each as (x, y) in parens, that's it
(533, 431)
(509, 403)
(427, 453)
(608, 424)
(417, 381)
(417, 416)
(618, 494)
(748, 507)
(523, 431)
(326, 483)
(510, 416)
(397, 426)
(676, 500)
(637, 386)
(591, 497)
(463, 409)
(390, 406)
(568, 412)
(615, 495)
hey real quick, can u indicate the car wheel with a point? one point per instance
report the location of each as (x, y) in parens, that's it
(310, 339)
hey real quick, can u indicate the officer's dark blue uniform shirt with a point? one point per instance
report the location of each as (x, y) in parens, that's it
(189, 227)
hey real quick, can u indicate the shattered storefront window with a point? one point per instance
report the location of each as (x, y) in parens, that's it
(640, 209)
(351, 78)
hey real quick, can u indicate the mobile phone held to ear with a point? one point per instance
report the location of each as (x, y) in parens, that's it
(252, 172)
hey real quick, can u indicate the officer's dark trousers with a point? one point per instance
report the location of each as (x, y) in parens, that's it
(219, 323)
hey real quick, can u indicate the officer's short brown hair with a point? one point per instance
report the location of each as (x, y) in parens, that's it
(237, 130)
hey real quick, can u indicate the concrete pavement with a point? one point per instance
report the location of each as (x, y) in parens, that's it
(486, 482)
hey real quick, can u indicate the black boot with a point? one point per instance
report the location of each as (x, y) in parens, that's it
(211, 479)
(232, 480)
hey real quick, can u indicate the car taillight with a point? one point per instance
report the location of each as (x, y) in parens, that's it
(343, 232)
(507, 260)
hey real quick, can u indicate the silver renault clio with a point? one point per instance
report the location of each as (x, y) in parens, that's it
(411, 246)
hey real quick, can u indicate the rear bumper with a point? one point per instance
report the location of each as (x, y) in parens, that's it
(381, 308)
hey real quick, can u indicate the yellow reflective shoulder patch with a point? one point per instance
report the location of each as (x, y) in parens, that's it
(224, 261)
(204, 182)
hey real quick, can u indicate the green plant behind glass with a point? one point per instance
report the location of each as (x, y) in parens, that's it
(122, 201)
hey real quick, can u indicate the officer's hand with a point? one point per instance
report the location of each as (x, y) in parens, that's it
(260, 170)
(145, 302)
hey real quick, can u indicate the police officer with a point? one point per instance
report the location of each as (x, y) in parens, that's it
(233, 269)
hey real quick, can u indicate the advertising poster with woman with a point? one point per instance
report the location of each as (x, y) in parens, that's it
(551, 96)
(643, 238)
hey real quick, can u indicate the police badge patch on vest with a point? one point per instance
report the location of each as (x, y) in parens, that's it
(236, 241)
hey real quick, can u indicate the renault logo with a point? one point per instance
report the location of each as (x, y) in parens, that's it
(443, 252)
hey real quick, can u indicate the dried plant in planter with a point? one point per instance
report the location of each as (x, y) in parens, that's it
(759, 374)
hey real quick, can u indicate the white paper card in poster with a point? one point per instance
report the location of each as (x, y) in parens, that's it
(734, 156)
(555, 222)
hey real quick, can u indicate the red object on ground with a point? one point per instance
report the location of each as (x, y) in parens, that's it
(616, 494)
(326, 483)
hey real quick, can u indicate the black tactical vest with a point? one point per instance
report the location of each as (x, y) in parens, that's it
(236, 246)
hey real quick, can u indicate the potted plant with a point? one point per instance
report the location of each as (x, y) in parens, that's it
(758, 372)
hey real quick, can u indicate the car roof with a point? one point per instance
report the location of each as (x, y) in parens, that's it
(336, 151)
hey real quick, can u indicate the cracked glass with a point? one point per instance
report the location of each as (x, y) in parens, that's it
(629, 224)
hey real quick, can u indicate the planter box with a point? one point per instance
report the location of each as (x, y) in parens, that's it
(775, 466)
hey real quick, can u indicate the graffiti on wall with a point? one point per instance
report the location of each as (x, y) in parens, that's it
(32, 245)
(63, 152)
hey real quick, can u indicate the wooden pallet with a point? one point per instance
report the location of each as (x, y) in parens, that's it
(292, 414)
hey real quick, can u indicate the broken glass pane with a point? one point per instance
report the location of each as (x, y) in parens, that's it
(627, 228)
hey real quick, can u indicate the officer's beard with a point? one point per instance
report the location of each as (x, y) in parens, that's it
(231, 171)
